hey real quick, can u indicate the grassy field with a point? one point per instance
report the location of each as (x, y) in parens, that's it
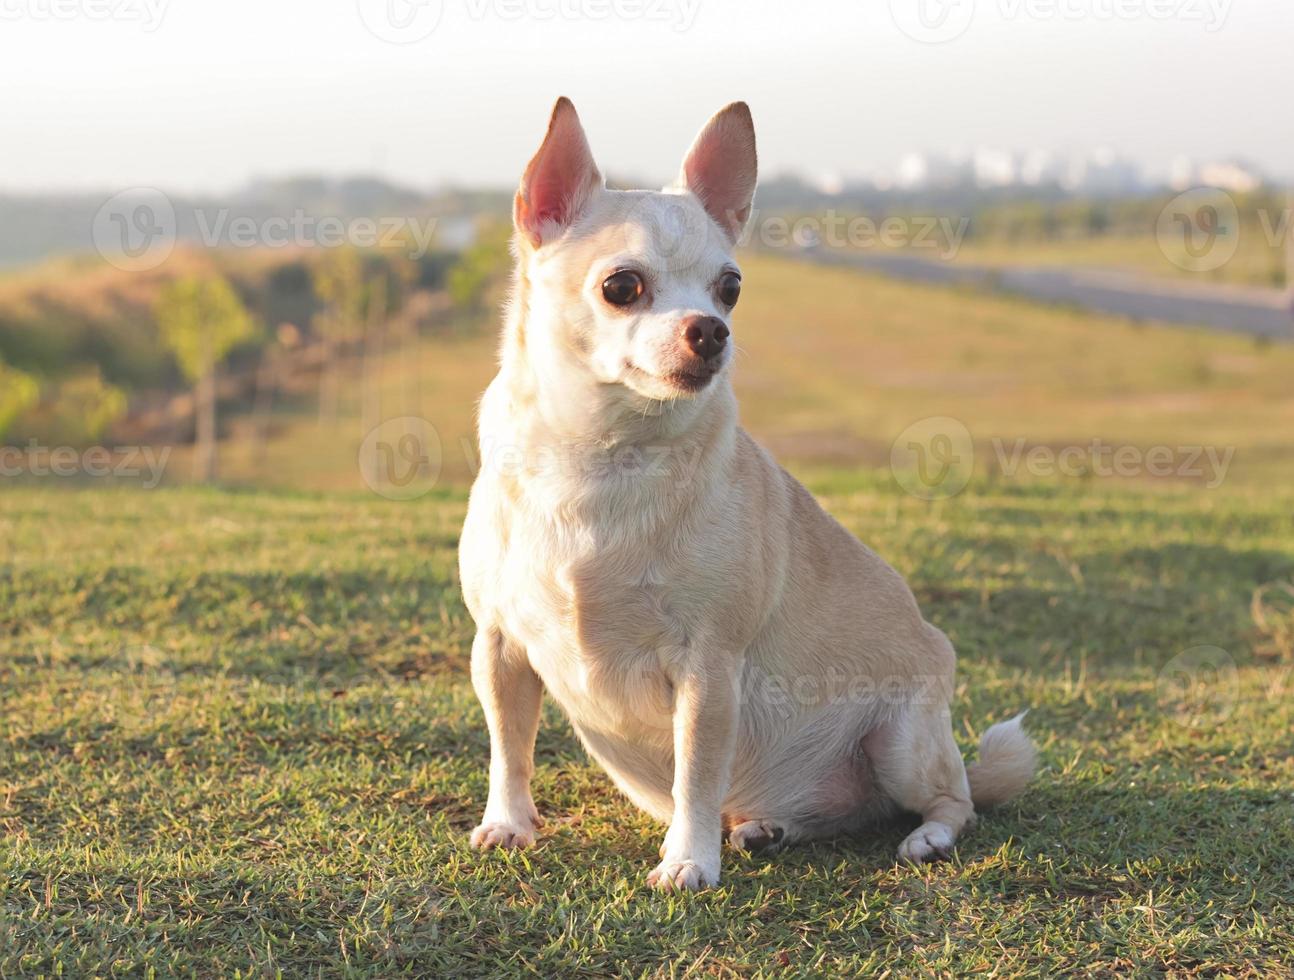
(238, 739)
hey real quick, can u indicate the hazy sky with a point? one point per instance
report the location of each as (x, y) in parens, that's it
(203, 94)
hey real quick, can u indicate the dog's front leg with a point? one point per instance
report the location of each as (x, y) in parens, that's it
(706, 707)
(510, 692)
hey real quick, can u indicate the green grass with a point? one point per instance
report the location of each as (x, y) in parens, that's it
(238, 739)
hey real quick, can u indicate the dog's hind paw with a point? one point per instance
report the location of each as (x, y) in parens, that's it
(756, 836)
(931, 841)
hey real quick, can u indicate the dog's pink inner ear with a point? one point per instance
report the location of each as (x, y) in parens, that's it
(559, 180)
(721, 167)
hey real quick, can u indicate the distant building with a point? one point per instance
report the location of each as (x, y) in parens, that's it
(1102, 172)
(1099, 172)
(1183, 174)
(831, 184)
(1227, 175)
(994, 168)
(920, 170)
(1039, 167)
(1231, 176)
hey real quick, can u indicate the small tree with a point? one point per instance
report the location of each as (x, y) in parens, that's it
(339, 285)
(19, 391)
(478, 270)
(201, 321)
(275, 362)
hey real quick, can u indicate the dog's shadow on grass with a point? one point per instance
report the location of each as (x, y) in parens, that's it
(1056, 840)
(1158, 599)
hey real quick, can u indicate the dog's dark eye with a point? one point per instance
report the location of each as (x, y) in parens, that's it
(622, 288)
(729, 289)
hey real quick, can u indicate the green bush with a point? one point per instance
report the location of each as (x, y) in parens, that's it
(19, 391)
(83, 408)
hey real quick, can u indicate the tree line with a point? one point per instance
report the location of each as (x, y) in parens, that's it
(82, 345)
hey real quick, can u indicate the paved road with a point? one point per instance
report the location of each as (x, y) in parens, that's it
(1236, 309)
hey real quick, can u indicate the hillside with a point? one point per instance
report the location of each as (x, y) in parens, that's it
(833, 366)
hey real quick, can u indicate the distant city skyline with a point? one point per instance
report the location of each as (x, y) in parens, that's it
(203, 97)
(1100, 170)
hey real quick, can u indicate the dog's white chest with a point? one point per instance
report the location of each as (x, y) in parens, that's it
(596, 623)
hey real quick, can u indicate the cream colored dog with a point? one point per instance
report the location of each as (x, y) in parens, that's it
(733, 657)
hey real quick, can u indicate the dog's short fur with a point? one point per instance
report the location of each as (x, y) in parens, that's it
(735, 660)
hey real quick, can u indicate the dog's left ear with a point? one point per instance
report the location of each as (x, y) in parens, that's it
(720, 168)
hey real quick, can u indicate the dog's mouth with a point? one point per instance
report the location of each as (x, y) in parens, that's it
(681, 381)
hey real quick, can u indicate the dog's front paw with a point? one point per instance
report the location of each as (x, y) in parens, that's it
(931, 841)
(506, 834)
(682, 876)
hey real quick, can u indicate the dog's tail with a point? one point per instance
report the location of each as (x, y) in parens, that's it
(1007, 760)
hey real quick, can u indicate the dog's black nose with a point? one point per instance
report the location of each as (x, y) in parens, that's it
(705, 335)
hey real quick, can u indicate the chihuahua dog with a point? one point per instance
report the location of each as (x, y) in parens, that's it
(737, 662)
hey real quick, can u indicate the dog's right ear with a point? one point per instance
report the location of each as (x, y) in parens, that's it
(559, 180)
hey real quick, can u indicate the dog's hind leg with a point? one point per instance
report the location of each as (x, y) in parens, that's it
(917, 765)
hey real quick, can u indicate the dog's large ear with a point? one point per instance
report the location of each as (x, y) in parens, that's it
(559, 180)
(720, 168)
